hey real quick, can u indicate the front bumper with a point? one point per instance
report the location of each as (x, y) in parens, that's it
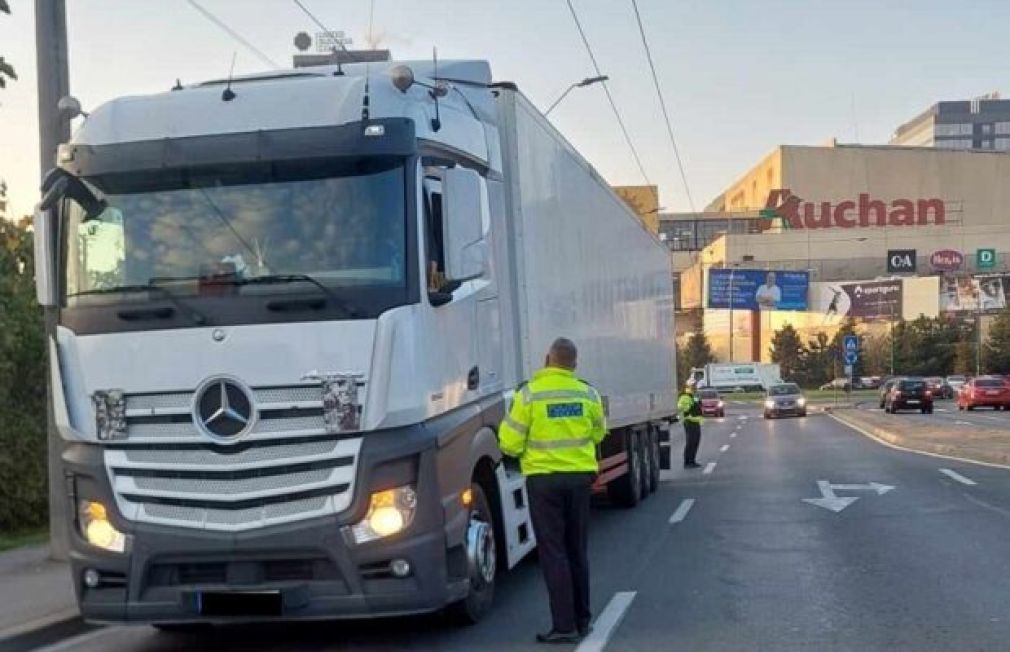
(782, 411)
(316, 572)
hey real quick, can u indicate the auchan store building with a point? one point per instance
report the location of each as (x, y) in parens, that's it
(883, 232)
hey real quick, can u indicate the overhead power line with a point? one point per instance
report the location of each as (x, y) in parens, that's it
(662, 104)
(326, 29)
(606, 89)
(235, 35)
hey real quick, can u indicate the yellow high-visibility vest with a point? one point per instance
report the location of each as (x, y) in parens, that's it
(555, 423)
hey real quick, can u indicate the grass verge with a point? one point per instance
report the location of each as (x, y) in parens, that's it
(11, 540)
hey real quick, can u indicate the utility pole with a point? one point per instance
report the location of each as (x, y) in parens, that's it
(53, 84)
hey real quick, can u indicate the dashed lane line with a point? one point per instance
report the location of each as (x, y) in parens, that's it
(724, 448)
(709, 468)
(608, 621)
(681, 513)
(954, 475)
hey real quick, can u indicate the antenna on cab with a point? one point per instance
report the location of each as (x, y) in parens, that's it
(227, 95)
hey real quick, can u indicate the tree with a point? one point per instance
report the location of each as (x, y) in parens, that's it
(964, 357)
(817, 363)
(697, 351)
(787, 351)
(6, 69)
(876, 354)
(997, 345)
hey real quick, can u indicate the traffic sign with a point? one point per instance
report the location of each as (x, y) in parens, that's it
(851, 344)
(985, 258)
(851, 357)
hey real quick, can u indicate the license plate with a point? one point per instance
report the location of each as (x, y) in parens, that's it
(993, 392)
(913, 401)
(239, 603)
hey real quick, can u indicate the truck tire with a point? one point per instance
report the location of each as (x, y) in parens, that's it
(482, 556)
(626, 490)
(653, 440)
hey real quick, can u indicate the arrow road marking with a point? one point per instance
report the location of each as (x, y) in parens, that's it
(682, 510)
(954, 475)
(832, 502)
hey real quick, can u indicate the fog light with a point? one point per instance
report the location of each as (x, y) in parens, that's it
(93, 521)
(399, 567)
(92, 579)
(389, 512)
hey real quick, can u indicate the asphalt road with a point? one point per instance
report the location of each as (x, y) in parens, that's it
(946, 412)
(748, 565)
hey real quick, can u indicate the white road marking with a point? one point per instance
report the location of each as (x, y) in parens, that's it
(607, 622)
(709, 468)
(76, 641)
(964, 423)
(682, 510)
(724, 448)
(742, 417)
(732, 435)
(832, 502)
(954, 475)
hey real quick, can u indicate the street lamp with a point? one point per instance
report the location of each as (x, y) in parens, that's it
(588, 81)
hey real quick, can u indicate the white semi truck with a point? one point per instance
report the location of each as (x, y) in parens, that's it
(292, 309)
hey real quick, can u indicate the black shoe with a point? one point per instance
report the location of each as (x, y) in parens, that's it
(692, 465)
(585, 630)
(554, 636)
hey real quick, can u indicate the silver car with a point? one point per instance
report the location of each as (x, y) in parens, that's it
(785, 399)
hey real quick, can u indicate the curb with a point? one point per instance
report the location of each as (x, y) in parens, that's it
(43, 631)
(890, 438)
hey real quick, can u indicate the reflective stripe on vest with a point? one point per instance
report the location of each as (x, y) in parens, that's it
(550, 444)
(552, 394)
(521, 428)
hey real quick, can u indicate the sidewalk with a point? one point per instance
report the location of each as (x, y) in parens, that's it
(988, 445)
(36, 595)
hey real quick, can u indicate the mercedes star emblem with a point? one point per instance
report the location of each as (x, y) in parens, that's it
(224, 409)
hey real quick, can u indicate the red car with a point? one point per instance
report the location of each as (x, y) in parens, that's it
(711, 404)
(984, 391)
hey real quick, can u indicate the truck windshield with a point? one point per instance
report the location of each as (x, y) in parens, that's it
(341, 223)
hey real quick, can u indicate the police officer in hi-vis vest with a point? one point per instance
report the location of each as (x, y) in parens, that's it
(689, 407)
(554, 427)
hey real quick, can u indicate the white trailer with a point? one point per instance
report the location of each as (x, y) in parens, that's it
(291, 319)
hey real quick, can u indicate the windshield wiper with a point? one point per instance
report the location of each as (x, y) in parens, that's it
(198, 317)
(267, 279)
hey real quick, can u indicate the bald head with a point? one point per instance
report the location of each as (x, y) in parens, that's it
(563, 354)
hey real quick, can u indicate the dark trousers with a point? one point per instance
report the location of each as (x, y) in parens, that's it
(692, 432)
(559, 506)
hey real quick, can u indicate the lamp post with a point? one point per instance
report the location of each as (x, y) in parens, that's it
(588, 81)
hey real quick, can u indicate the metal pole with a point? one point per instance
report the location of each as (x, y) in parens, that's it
(731, 271)
(53, 84)
(892, 339)
(978, 343)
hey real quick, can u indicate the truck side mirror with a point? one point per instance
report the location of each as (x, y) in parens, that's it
(45, 276)
(464, 212)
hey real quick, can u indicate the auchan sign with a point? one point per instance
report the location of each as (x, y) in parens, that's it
(864, 211)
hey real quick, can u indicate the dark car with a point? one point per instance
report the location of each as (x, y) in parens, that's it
(885, 389)
(909, 394)
(785, 399)
(939, 387)
(712, 404)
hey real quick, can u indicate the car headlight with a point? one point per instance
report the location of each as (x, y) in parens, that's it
(93, 520)
(389, 512)
(801, 401)
(721, 404)
(770, 404)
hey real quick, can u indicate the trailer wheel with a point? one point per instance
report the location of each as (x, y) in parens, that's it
(644, 463)
(653, 440)
(627, 490)
(482, 558)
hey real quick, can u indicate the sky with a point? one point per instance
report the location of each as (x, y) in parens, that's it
(739, 76)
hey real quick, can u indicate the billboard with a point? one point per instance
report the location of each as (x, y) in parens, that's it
(866, 299)
(757, 289)
(985, 294)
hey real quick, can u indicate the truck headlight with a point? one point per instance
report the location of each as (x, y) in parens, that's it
(96, 529)
(770, 404)
(110, 414)
(389, 512)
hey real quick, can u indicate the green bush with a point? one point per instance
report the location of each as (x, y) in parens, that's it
(23, 461)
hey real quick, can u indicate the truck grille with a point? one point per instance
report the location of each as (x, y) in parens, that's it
(286, 469)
